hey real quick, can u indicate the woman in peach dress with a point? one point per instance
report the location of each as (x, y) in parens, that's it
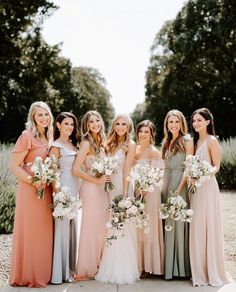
(94, 198)
(206, 230)
(150, 245)
(33, 226)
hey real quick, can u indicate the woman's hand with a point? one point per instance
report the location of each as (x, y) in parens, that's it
(143, 193)
(39, 184)
(103, 179)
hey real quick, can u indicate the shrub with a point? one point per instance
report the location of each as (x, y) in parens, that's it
(227, 174)
(7, 190)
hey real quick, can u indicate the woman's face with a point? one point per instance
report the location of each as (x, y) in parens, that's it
(66, 127)
(144, 135)
(121, 127)
(173, 124)
(42, 118)
(95, 124)
(199, 123)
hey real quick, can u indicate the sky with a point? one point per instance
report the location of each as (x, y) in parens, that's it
(113, 36)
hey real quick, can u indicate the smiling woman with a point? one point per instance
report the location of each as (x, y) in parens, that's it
(33, 229)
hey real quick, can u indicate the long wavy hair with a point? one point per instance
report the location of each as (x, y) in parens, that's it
(178, 144)
(207, 115)
(87, 135)
(112, 136)
(31, 124)
(74, 137)
(151, 126)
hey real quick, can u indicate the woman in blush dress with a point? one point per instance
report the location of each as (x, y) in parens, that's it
(33, 225)
(94, 198)
(206, 230)
(177, 145)
(150, 245)
(119, 264)
(64, 148)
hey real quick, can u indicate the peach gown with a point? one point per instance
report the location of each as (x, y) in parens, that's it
(93, 225)
(119, 263)
(33, 225)
(151, 244)
(206, 232)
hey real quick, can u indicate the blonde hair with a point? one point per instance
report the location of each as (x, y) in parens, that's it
(86, 134)
(178, 144)
(31, 124)
(112, 137)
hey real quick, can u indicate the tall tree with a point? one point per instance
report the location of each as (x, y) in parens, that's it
(193, 63)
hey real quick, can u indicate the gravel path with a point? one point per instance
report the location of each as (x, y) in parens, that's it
(5, 255)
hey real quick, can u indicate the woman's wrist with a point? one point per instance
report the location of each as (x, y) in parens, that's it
(30, 179)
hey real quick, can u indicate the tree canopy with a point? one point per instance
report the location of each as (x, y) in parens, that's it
(192, 64)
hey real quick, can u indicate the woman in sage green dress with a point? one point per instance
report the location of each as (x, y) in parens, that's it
(177, 144)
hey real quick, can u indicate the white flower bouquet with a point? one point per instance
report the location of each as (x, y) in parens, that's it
(65, 205)
(197, 170)
(146, 178)
(122, 210)
(175, 209)
(104, 166)
(46, 171)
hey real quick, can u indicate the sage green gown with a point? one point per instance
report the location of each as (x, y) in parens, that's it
(177, 263)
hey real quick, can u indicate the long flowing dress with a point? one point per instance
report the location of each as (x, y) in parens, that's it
(177, 262)
(119, 263)
(65, 235)
(206, 232)
(31, 263)
(151, 244)
(93, 225)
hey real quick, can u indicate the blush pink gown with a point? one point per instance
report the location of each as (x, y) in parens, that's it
(93, 225)
(33, 225)
(206, 233)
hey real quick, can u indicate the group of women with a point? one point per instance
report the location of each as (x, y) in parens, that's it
(74, 250)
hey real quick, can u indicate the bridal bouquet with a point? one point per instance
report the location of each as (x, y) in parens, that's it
(65, 205)
(122, 210)
(175, 209)
(197, 169)
(145, 178)
(104, 166)
(46, 171)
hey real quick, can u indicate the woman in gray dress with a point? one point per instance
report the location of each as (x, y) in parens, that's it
(65, 149)
(176, 146)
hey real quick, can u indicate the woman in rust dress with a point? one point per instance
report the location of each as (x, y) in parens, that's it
(33, 226)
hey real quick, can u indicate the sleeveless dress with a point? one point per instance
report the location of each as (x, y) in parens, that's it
(151, 244)
(31, 262)
(119, 263)
(206, 232)
(93, 225)
(177, 263)
(65, 245)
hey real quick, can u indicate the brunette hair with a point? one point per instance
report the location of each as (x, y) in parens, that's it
(151, 126)
(178, 144)
(207, 115)
(86, 134)
(112, 137)
(74, 137)
(31, 124)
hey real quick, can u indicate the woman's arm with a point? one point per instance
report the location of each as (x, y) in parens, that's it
(189, 149)
(128, 163)
(55, 151)
(215, 152)
(16, 166)
(79, 161)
